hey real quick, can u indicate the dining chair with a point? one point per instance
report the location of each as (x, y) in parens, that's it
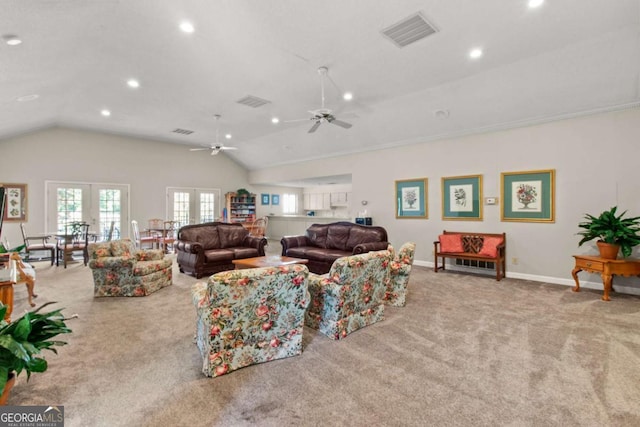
(259, 227)
(109, 235)
(37, 243)
(169, 235)
(139, 240)
(74, 239)
(155, 224)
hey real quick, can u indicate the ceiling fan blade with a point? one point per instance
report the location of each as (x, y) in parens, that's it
(295, 120)
(199, 149)
(214, 152)
(228, 148)
(314, 127)
(340, 123)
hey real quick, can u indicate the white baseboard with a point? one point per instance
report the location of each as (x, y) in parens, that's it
(546, 279)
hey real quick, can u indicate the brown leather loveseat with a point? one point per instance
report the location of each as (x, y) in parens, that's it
(322, 244)
(211, 247)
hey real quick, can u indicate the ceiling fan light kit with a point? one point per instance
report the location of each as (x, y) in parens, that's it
(217, 147)
(323, 114)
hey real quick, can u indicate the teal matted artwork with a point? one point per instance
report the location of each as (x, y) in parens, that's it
(265, 199)
(528, 196)
(411, 198)
(275, 199)
(462, 198)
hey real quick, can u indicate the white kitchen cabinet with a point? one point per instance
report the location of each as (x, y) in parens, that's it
(340, 198)
(317, 201)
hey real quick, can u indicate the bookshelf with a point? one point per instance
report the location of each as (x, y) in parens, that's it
(241, 208)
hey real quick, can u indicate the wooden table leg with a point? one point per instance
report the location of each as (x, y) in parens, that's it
(574, 273)
(607, 280)
(6, 296)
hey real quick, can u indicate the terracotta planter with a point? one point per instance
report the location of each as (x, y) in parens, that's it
(7, 388)
(608, 250)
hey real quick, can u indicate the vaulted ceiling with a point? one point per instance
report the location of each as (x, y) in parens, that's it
(561, 59)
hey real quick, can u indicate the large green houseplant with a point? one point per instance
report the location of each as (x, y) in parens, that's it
(612, 229)
(23, 339)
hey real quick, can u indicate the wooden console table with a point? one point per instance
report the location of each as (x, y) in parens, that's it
(607, 268)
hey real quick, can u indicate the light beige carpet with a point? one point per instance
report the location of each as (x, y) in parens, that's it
(465, 351)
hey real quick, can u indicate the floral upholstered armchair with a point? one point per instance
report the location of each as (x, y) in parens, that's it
(250, 316)
(350, 296)
(400, 268)
(121, 270)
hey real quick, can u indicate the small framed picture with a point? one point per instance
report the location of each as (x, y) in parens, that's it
(16, 202)
(265, 198)
(528, 196)
(411, 198)
(462, 198)
(275, 199)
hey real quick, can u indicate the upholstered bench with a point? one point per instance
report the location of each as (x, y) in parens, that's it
(472, 246)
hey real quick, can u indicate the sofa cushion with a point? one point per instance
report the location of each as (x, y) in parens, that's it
(208, 237)
(218, 255)
(122, 247)
(231, 235)
(317, 235)
(299, 251)
(359, 235)
(330, 255)
(337, 236)
(244, 252)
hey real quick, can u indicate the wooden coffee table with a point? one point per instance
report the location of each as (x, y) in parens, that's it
(267, 261)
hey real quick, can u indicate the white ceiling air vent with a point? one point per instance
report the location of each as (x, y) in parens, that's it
(409, 30)
(182, 131)
(253, 101)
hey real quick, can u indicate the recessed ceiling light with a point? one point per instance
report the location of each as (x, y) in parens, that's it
(228, 136)
(187, 27)
(11, 40)
(105, 113)
(475, 53)
(28, 97)
(441, 114)
(275, 120)
(535, 3)
(133, 83)
(348, 96)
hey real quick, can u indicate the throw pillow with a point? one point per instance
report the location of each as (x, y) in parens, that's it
(451, 243)
(490, 246)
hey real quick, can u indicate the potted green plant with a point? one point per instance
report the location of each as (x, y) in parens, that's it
(610, 229)
(23, 339)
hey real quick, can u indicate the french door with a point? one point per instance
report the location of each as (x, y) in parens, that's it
(193, 205)
(95, 203)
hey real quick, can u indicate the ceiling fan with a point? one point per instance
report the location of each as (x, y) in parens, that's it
(217, 147)
(324, 115)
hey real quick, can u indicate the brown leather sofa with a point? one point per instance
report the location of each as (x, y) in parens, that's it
(211, 247)
(322, 244)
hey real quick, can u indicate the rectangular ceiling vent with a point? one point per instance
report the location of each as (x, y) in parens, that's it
(409, 30)
(253, 101)
(182, 131)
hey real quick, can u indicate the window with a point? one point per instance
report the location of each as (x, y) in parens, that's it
(193, 205)
(289, 203)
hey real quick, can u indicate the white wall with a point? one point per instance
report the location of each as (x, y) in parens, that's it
(148, 166)
(596, 163)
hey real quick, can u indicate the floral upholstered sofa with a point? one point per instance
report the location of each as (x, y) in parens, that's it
(121, 270)
(350, 296)
(399, 270)
(250, 316)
